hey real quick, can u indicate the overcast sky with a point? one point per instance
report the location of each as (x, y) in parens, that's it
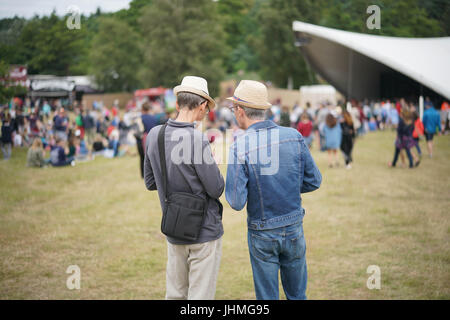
(27, 8)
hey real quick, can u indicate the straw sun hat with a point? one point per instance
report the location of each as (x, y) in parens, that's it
(196, 85)
(252, 94)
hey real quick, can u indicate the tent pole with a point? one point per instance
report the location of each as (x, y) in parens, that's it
(421, 107)
(421, 102)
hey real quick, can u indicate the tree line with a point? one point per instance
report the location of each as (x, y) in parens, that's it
(157, 42)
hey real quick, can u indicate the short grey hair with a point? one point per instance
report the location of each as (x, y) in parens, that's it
(190, 100)
(254, 114)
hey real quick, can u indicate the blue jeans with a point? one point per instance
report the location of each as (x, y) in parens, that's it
(281, 249)
(408, 153)
(6, 149)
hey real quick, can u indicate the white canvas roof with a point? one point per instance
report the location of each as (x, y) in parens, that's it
(426, 60)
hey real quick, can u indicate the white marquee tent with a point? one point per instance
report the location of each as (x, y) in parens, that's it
(353, 62)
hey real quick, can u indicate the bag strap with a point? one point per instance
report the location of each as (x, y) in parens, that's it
(162, 158)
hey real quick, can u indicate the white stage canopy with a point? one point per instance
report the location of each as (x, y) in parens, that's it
(353, 62)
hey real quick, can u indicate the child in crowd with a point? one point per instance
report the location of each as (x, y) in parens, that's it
(305, 128)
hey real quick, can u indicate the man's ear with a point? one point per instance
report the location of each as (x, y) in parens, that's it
(203, 106)
(241, 112)
(177, 106)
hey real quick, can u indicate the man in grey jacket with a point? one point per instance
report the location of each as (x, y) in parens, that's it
(192, 266)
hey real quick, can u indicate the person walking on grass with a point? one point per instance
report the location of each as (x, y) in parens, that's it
(348, 138)
(432, 123)
(269, 167)
(6, 137)
(180, 165)
(333, 136)
(405, 139)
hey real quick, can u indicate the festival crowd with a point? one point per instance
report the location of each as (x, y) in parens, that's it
(58, 137)
(335, 127)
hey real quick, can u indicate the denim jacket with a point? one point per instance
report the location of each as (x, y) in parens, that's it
(269, 166)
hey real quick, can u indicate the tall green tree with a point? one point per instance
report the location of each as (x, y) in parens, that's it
(116, 56)
(280, 59)
(440, 11)
(399, 18)
(182, 37)
(133, 13)
(10, 30)
(47, 46)
(240, 26)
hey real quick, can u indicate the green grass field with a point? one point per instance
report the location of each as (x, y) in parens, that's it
(99, 216)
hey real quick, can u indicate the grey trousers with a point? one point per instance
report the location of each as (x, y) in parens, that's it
(192, 270)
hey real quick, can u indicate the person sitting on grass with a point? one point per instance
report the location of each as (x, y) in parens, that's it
(58, 156)
(99, 145)
(35, 155)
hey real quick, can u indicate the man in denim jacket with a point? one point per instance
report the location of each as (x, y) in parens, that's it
(269, 166)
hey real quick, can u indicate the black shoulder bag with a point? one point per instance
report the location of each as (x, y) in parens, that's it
(184, 212)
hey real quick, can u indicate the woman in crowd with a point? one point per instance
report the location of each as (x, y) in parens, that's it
(405, 139)
(35, 155)
(333, 136)
(348, 138)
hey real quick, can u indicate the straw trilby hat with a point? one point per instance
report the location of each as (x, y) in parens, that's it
(252, 94)
(196, 85)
